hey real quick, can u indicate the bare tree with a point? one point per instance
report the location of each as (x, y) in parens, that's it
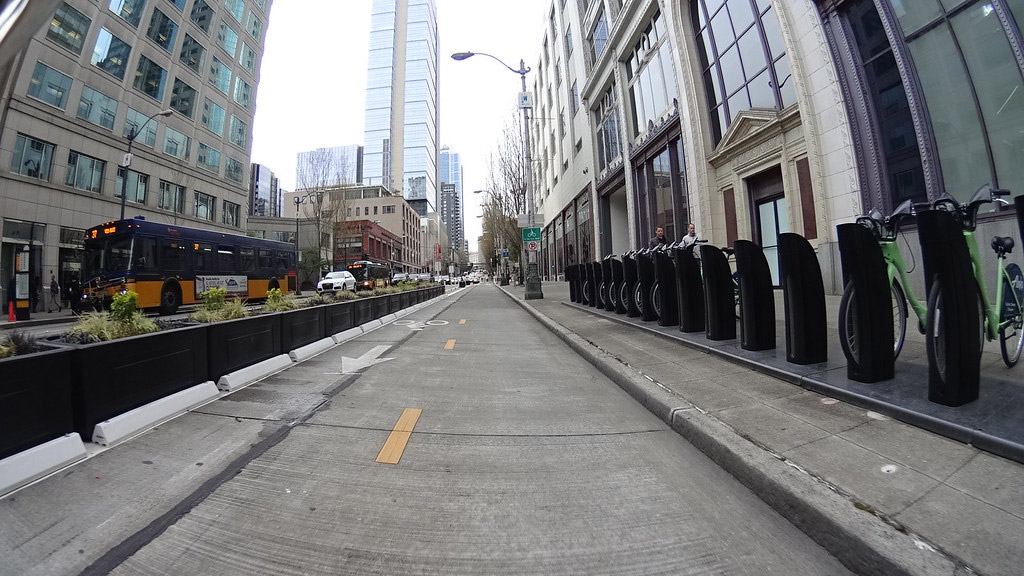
(506, 183)
(319, 176)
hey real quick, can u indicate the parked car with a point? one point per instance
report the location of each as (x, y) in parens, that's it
(400, 277)
(336, 282)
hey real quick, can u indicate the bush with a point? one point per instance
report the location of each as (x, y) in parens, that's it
(216, 307)
(16, 344)
(124, 319)
(278, 302)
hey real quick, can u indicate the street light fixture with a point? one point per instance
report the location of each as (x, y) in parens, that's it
(127, 161)
(533, 289)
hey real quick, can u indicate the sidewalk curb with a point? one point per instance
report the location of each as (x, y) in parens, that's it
(861, 540)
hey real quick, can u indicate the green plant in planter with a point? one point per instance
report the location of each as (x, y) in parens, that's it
(278, 302)
(216, 307)
(318, 300)
(124, 319)
(16, 344)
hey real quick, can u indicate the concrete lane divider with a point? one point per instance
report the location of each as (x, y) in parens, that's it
(29, 465)
(249, 374)
(128, 424)
(347, 335)
(312, 349)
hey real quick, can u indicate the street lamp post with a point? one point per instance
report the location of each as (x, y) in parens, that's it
(127, 161)
(533, 288)
(298, 201)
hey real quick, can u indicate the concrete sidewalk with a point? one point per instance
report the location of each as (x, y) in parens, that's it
(858, 482)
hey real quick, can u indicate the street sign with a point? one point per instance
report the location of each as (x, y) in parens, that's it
(523, 220)
(533, 246)
(531, 234)
(525, 100)
(504, 254)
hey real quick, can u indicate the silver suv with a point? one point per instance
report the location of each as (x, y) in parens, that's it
(336, 282)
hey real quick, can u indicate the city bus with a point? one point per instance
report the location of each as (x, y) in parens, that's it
(370, 275)
(168, 265)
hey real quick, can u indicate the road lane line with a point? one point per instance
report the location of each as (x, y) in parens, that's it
(394, 446)
(450, 344)
(463, 321)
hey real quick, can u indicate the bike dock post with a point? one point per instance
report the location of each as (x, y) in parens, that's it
(757, 302)
(598, 294)
(864, 267)
(804, 300)
(606, 278)
(665, 273)
(1019, 203)
(617, 281)
(689, 291)
(719, 300)
(570, 277)
(954, 380)
(631, 278)
(589, 290)
(645, 269)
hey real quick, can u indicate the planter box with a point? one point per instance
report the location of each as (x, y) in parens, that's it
(394, 302)
(363, 311)
(406, 299)
(339, 317)
(235, 344)
(111, 378)
(301, 327)
(378, 307)
(35, 399)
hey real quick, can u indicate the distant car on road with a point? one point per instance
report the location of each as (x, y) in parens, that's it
(400, 277)
(336, 282)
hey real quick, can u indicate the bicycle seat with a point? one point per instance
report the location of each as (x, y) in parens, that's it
(1002, 244)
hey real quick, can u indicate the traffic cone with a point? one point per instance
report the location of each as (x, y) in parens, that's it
(11, 312)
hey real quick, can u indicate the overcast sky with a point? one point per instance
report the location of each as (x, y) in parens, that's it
(312, 86)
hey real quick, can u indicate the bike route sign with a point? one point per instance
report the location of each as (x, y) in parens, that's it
(531, 234)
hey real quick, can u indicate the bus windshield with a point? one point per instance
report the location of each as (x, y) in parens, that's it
(107, 255)
(359, 272)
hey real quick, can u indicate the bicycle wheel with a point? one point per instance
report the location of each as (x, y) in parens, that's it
(936, 330)
(1010, 340)
(736, 293)
(638, 298)
(624, 295)
(656, 298)
(899, 319)
(601, 295)
(849, 331)
(586, 292)
(613, 296)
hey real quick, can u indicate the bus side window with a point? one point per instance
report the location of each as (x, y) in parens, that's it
(144, 253)
(226, 263)
(172, 255)
(203, 257)
(266, 260)
(280, 263)
(247, 260)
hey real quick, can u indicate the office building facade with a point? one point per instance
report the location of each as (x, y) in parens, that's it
(401, 126)
(333, 166)
(264, 192)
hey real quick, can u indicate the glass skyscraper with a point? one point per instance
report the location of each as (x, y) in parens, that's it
(400, 138)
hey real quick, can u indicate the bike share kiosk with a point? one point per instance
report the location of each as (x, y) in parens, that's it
(607, 293)
(665, 277)
(630, 281)
(719, 300)
(804, 300)
(757, 302)
(618, 281)
(645, 270)
(689, 290)
(953, 292)
(870, 358)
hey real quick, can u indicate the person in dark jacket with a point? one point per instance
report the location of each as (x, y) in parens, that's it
(659, 238)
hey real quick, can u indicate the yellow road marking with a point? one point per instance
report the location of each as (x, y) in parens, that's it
(394, 446)
(450, 345)
(463, 321)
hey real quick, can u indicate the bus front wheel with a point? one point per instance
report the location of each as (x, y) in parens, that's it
(170, 298)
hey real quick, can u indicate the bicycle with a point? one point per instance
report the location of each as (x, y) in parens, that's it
(656, 289)
(885, 230)
(1006, 321)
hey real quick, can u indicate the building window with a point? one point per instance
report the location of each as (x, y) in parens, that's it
(254, 27)
(248, 58)
(50, 86)
(220, 75)
(202, 15)
(193, 54)
(176, 144)
(162, 30)
(150, 79)
(574, 99)
(231, 213)
(172, 197)
(243, 92)
(110, 54)
(236, 8)
(183, 98)
(606, 130)
(129, 10)
(179, 4)
(743, 57)
(68, 28)
(256, 233)
(389, 209)
(133, 120)
(651, 82)
(84, 172)
(204, 207)
(599, 37)
(32, 157)
(227, 38)
(238, 132)
(233, 169)
(208, 158)
(568, 42)
(97, 108)
(213, 117)
(136, 189)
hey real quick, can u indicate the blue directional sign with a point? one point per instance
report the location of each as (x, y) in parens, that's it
(504, 253)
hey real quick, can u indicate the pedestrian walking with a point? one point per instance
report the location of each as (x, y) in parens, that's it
(54, 294)
(35, 290)
(75, 296)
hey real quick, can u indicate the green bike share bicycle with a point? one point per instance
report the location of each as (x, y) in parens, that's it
(1001, 318)
(886, 230)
